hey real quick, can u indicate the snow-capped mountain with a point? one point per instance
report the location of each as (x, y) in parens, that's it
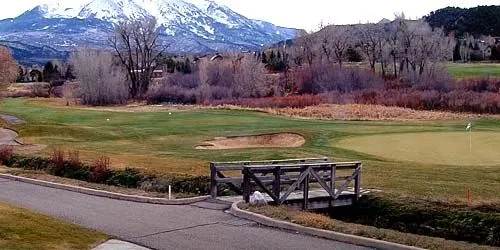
(188, 26)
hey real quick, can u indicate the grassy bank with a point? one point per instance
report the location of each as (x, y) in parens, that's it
(470, 70)
(454, 220)
(165, 144)
(321, 221)
(23, 229)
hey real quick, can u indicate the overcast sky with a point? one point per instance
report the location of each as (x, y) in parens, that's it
(307, 14)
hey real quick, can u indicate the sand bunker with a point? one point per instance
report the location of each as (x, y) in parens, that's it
(282, 140)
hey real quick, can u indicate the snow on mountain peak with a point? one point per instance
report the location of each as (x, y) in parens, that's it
(165, 11)
(60, 10)
(196, 26)
(112, 10)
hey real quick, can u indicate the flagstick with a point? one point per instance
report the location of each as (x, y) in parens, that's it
(470, 140)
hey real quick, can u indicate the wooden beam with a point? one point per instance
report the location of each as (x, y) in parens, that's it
(333, 174)
(246, 186)
(230, 184)
(259, 183)
(213, 181)
(347, 182)
(294, 186)
(305, 202)
(277, 182)
(322, 159)
(357, 184)
(323, 184)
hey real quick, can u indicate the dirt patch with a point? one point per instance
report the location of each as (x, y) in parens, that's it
(281, 140)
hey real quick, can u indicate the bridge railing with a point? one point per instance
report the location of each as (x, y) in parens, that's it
(279, 179)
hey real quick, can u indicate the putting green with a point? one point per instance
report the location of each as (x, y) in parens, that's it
(449, 148)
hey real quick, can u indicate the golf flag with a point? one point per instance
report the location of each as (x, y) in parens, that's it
(469, 126)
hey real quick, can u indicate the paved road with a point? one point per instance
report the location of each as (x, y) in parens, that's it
(202, 225)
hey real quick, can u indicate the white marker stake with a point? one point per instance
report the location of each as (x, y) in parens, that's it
(469, 128)
(169, 192)
(470, 140)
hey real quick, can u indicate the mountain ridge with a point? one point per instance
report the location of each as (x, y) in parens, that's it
(188, 26)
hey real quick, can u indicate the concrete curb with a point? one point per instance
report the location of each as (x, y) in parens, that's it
(111, 195)
(114, 244)
(347, 238)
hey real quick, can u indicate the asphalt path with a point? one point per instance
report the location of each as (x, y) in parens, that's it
(203, 225)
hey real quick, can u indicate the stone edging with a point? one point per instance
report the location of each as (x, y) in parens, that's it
(111, 195)
(347, 238)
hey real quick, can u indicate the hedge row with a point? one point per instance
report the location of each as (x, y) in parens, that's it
(100, 172)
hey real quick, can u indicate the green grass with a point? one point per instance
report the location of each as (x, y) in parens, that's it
(450, 148)
(472, 70)
(165, 143)
(22, 229)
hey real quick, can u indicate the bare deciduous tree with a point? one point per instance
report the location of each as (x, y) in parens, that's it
(102, 79)
(249, 78)
(304, 50)
(8, 66)
(136, 44)
(420, 46)
(466, 47)
(335, 40)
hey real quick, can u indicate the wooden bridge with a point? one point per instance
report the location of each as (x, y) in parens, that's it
(312, 182)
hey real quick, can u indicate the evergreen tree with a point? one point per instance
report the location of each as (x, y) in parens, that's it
(187, 67)
(272, 57)
(51, 72)
(20, 78)
(456, 53)
(264, 58)
(495, 53)
(69, 75)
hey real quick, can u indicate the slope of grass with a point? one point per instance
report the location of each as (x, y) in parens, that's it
(468, 70)
(450, 148)
(22, 229)
(324, 222)
(157, 141)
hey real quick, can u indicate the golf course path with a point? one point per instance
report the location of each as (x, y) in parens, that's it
(8, 137)
(202, 225)
(12, 119)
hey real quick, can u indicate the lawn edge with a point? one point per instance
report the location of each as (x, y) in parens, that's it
(341, 237)
(106, 194)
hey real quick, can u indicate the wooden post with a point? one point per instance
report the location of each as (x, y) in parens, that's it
(357, 183)
(305, 203)
(333, 176)
(246, 185)
(277, 182)
(213, 180)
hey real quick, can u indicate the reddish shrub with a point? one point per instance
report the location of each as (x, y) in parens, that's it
(74, 158)
(478, 85)
(296, 101)
(6, 153)
(100, 170)
(57, 158)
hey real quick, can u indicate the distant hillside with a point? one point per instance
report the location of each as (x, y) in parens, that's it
(481, 20)
(186, 26)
